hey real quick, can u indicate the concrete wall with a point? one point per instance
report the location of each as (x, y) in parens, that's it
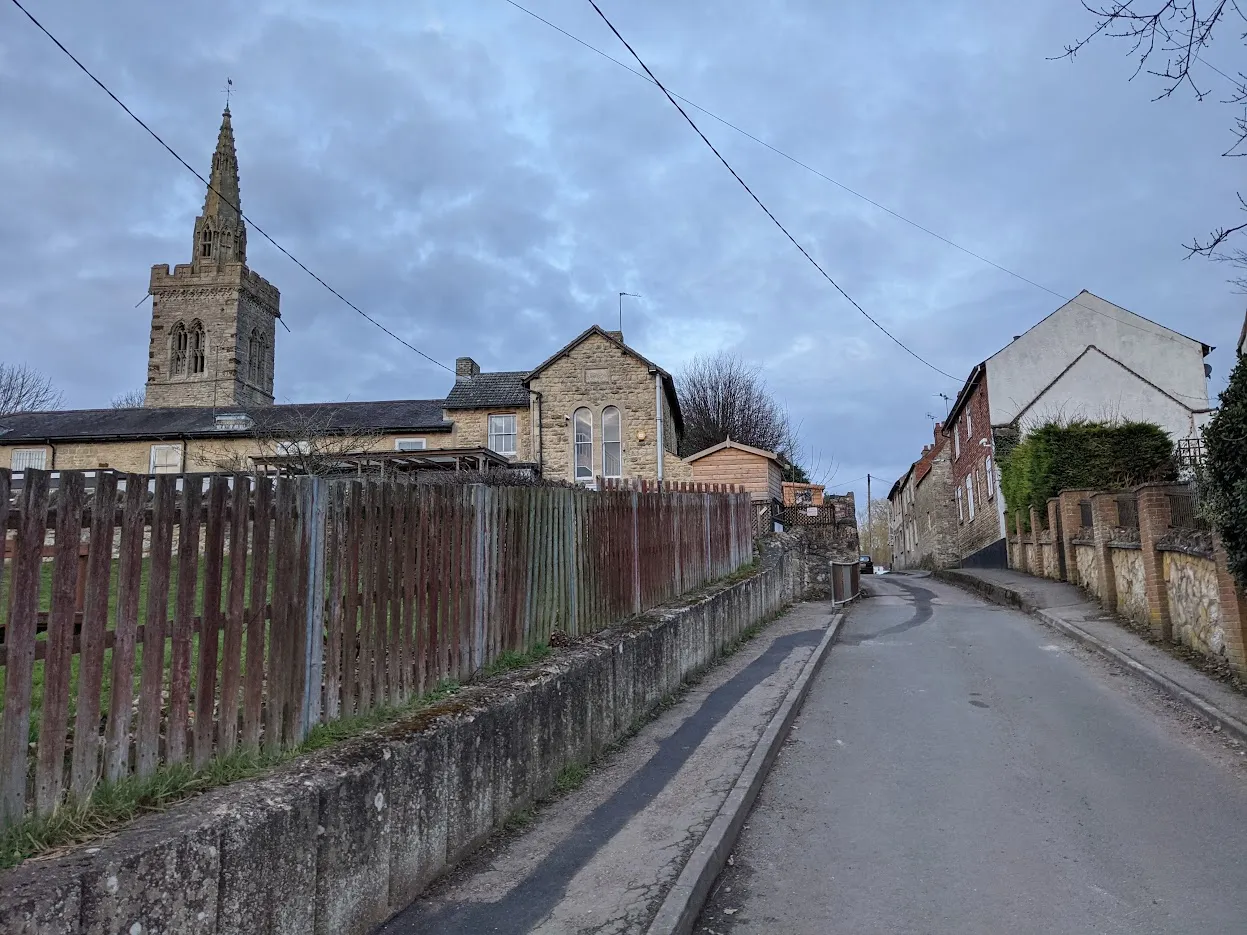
(1021, 371)
(1131, 584)
(1098, 388)
(337, 842)
(1194, 602)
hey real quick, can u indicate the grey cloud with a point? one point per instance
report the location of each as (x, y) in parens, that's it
(485, 186)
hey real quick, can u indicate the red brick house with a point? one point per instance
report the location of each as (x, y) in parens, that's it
(980, 533)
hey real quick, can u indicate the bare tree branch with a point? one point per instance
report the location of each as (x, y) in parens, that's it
(24, 389)
(721, 396)
(130, 399)
(309, 440)
(1178, 31)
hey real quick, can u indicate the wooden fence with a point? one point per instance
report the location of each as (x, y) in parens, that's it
(176, 618)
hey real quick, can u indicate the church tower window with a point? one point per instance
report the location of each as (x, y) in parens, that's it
(255, 357)
(205, 248)
(179, 345)
(198, 357)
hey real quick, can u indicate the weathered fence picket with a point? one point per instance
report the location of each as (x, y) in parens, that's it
(208, 613)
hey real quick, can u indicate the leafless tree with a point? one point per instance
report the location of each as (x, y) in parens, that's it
(130, 399)
(307, 440)
(1167, 38)
(723, 397)
(873, 530)
(24, 389)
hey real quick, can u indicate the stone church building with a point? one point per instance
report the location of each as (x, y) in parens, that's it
(594, 408)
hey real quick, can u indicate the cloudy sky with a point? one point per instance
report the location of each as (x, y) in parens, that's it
(486, 186)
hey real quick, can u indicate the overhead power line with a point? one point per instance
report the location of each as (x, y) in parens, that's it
(846, 188)
(154, 135)
(727, 165)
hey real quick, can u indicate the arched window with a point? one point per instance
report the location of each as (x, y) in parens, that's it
(583, 424)
(197, 342)
(255, 357)
(612, 443)
(205, 243)
(177, 350)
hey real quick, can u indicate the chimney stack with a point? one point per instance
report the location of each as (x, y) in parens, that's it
(466, 368)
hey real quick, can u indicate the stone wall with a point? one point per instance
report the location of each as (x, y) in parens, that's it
(1131, 584)
(595, 374)
(1088, 570)
(1051, 561)
(471, 430)
(1194, 602)
(202, 454)
(229, 302)
(336, 842)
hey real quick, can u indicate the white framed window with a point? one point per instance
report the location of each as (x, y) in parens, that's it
(285, 449)
(970, 496)
(991, 477)
(956, 442)
(29, 459)
(582, 426)
(166, 459)
(960, 515)
(612, 443)
(409, 444)
(502, 434)
(969, 426)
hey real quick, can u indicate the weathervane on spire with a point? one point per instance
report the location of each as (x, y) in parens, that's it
(229, 89)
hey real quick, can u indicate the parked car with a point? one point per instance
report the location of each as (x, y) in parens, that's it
(866, 565)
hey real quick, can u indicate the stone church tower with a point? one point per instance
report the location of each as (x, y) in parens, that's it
(213, 320)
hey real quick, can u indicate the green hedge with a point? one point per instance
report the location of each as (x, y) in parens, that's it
(1223, 479)
(1055, 457)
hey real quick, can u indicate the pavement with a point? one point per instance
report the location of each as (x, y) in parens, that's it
(603, 858)
(959, 767)
(1067, 607)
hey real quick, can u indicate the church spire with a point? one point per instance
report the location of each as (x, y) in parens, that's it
(220, 234)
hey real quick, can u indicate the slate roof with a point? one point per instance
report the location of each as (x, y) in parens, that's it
(399, 415)
(489, 391)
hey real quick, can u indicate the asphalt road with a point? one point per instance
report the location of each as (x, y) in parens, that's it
(960, 768)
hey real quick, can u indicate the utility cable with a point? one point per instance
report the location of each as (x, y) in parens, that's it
(154, 135)
(758, 200)
(866, 198)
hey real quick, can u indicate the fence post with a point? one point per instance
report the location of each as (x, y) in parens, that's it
(1054, 533)
(1020, 564)
(709, 554)
(1233, 610)
(571, 551)
(480, 592)
(636, 555)
(1154, 519)
(1071, 523)
(1104, 513)
(313, 516)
